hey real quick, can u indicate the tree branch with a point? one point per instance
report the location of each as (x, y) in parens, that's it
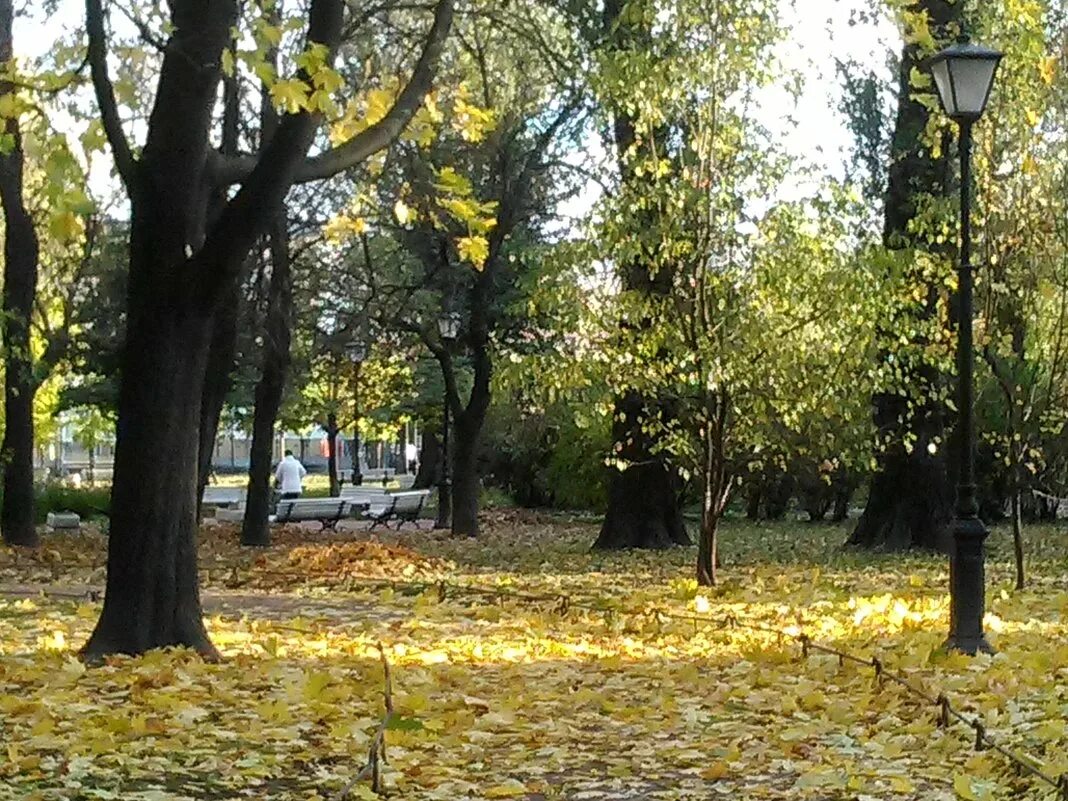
(374, 138)
(245, 216)
(105, 94)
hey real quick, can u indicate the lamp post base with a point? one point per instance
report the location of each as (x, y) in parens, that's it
(967, 587)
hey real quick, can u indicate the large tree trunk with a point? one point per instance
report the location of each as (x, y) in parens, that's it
(271, 387)
(181, 269)
(643, 500)
(153, 595)
(153, 598)
(910, 501)
(21, 249)
(466, 485)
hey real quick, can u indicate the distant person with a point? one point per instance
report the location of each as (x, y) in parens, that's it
(411, 455)
(289, 477)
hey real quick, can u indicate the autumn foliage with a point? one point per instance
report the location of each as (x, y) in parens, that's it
(499, 698)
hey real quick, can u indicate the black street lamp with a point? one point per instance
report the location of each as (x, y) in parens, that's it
(449, 328)
(357, 352)
(964, 74)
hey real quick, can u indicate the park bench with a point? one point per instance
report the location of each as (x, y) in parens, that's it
(363, 494)
(224, 497)
(404, 507)
(328, 511)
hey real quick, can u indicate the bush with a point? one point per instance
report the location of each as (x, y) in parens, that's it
(545, 459)
(86, 502)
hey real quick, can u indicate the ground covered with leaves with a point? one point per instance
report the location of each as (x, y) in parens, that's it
(650, 695)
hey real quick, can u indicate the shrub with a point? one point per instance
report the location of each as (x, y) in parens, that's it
(86, 502)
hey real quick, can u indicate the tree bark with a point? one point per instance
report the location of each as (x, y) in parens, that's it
(643, 498)
(21, 252)
(1017, 539)
(271, 387)
(153, 598)
(466, 485)
(429, 473)
(181, 270)
(910, 501)
(332, 431)
(715, 483)
(217, 384)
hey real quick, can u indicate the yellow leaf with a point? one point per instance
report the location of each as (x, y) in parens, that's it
(715, 771)
(900, 784)
(474, 249)
(508, 789)
(971, 789)
(290, 95)
(1047, 68)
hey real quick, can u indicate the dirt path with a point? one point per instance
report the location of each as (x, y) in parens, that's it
(234, 603)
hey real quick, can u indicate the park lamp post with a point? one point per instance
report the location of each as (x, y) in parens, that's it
(357, 352)
(964, 75)
(449, 328)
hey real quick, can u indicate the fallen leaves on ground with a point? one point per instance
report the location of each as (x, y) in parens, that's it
(510, 699)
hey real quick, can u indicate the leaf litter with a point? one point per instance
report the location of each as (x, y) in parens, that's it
(511, 699)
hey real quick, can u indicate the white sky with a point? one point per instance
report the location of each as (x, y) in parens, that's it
(812, 130)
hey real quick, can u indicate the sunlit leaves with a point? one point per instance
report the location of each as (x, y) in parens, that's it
(479, 684)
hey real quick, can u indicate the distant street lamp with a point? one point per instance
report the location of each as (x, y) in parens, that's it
(357, 352)
(449, 328)
(964, 74)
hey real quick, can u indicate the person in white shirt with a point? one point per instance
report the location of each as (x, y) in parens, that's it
(288, 477)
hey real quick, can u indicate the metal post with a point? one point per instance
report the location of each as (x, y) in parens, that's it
(357, 476)
(444, 488)
(967, 577)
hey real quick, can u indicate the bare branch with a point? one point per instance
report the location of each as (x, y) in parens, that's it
(105, 93)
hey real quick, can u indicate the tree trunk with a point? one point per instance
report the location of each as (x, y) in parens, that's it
(331, 454)
(643, 499)
(21, 251)
(843, 494)
(778, 492)
(715, 488)
(909, 504)
(466, 486)
(271, 387)
(429, 473)
(707, 551)
(217, 383)
(754, 498)
(153, 597)
(910, 501)
(1017, 539)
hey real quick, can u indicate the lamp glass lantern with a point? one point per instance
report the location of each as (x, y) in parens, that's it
(449, 326)
(357, 351)
(964, 75)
